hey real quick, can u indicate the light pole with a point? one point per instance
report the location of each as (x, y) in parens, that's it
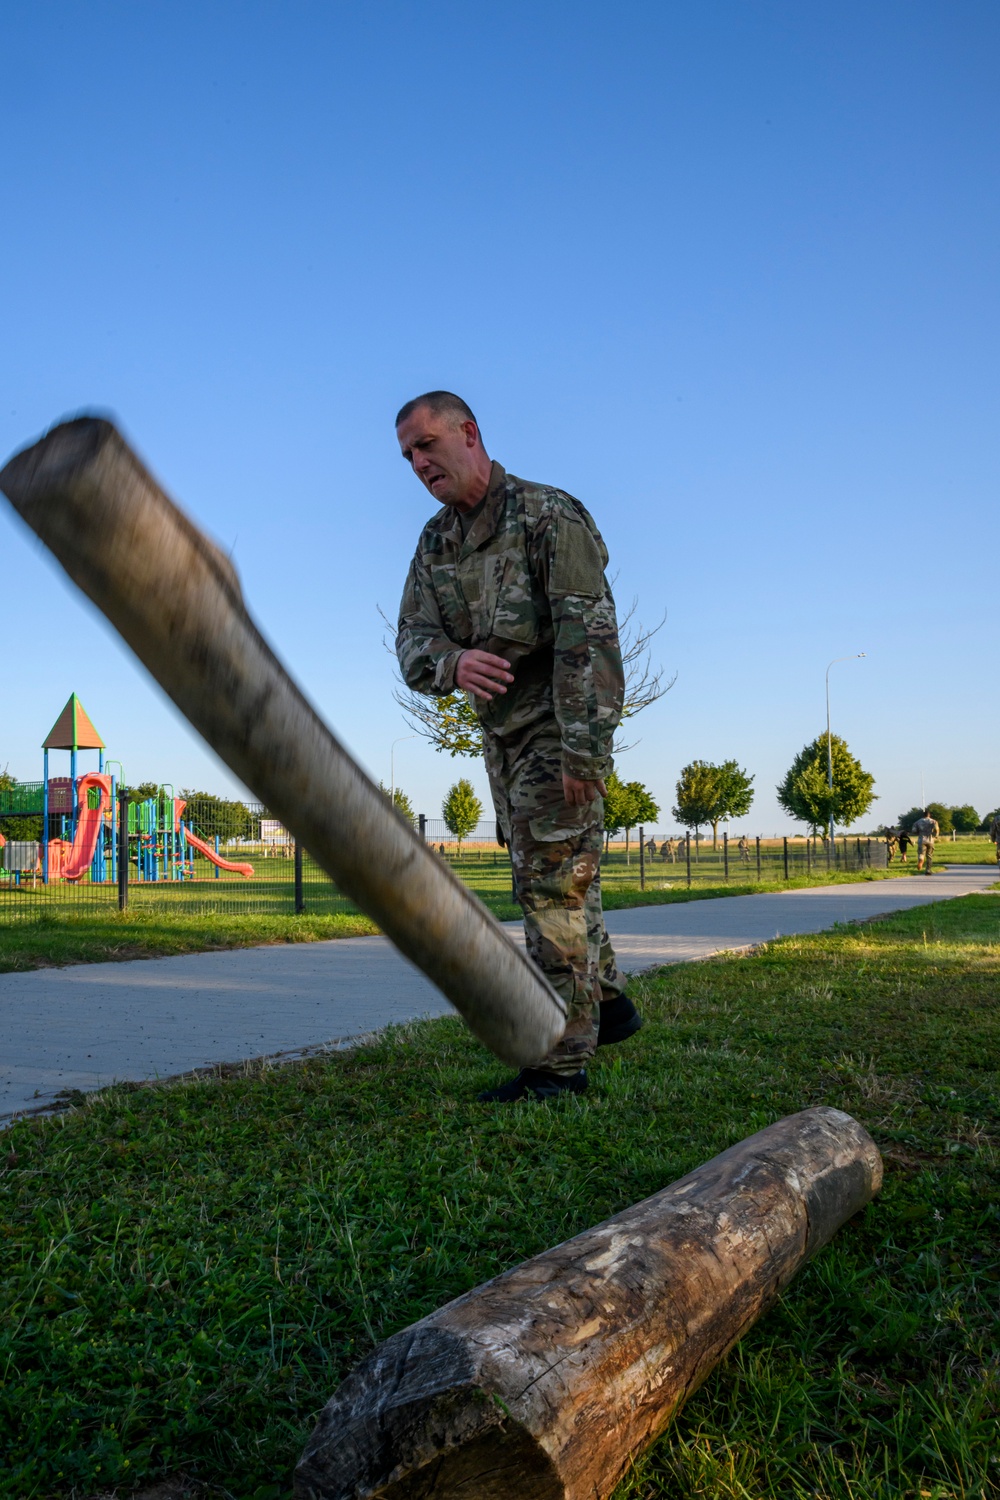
(392, 765)
(855, 656)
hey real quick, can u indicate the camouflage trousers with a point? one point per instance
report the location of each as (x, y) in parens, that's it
(556, 851)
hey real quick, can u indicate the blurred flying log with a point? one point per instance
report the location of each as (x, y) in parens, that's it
(176, 600)
(547, 1382)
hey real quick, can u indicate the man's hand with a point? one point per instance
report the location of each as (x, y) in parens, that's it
(579, 793)
(481, 674)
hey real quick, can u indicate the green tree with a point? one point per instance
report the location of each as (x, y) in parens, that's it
(20, 827)
(984, 826)
(697, 794)
(941, 815)
(805, 792)
(733, 796)
(210, 815)
(147, 789)
(936, 810)
(614, 806)
(461, 809)
(964, 819)
(400, 802)
(627, 804)
(642, 809)
(450, 723)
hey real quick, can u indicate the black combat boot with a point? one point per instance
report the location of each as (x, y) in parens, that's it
(619, 1019)
(535, 1083)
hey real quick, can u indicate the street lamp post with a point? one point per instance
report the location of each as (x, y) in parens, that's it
(855, 656)
(392, 765)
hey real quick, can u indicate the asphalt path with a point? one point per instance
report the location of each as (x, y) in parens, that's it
(88, 1025)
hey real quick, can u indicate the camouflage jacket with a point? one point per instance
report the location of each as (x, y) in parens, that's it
(528, 584)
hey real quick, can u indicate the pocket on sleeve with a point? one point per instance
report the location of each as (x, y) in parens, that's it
(578, 566)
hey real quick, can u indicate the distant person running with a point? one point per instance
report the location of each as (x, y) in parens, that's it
(744, 848)
(995, 832)
(890, 836)
(904, 842)
(927, 830)
(668, 850)
(651, 847)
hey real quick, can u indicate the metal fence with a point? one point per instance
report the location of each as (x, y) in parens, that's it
(744, 860)
(160, 854)
(167, 855)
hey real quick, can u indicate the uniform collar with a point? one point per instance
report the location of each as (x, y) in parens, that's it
(488, 519)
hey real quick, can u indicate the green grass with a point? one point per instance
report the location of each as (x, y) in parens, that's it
(105, 936)
(968, 849)
(187, 1271)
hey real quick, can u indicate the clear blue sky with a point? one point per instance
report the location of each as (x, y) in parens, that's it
(728, 271)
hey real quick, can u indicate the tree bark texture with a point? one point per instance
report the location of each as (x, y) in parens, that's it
(550, 1380)
(176, 600)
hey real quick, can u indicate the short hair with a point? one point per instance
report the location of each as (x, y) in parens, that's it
(437, 402)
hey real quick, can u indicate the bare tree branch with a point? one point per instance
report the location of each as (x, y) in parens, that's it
(452, 725)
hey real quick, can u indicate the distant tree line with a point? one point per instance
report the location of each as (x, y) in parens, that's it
(963, 819)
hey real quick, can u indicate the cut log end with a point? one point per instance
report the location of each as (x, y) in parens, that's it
(39, 467)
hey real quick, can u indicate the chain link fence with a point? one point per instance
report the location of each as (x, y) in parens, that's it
(160, 854)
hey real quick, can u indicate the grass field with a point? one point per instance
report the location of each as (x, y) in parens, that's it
(100, 933)
(83, 925)
(186, 1272)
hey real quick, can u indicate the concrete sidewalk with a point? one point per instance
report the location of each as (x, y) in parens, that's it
(91, 1024)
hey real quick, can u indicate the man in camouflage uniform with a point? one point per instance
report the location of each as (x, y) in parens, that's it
(926, 828)
(506, 600)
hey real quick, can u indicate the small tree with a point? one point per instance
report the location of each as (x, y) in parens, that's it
(639, 808)
(17, 828)
(212, 814)
(984, 826)
(450, 723)
(941, 815)
(400, 802)
(461, 810)
(964, 819)
(615, 810)
(626, 804)
(697, 794)
(805, 791)
(734, 796)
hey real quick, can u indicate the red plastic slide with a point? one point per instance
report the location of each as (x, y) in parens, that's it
(90, 821)
(207, 850)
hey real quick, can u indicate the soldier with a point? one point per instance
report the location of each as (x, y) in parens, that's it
(506, 600)
(744, 848)
(994, 831)
(927, 830)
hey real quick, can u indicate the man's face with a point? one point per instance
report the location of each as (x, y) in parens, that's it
(445, 454)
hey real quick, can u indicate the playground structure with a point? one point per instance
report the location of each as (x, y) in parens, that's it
(80, 817)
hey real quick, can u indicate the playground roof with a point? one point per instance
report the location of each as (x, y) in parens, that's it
(73, 729)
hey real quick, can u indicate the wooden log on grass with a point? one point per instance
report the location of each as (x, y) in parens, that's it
(176, 600)
(547, 1382)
